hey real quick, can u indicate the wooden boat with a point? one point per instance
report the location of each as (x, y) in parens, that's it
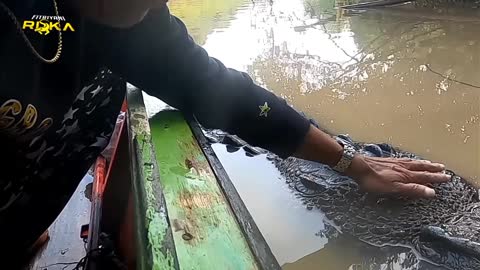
(374, 4)
(164, 200)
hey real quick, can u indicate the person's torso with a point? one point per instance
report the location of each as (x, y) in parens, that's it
(54, 118)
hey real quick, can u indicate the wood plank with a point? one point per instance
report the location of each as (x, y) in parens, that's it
(371, 4)
(257, 242)
(206, 233)
(155, 246)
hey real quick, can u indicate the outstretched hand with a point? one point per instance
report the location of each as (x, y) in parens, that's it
(397, 176)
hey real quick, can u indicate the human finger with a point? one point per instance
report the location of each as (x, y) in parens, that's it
(415, 190)
(423, 165)
(422, 177)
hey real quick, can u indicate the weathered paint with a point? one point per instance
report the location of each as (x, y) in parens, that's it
(155, 213)
(205, 231)
(153, 233)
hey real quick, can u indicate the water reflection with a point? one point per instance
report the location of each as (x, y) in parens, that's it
(406, 77)
(346, 254)
(392, 90)
(203, 16)
(282, 219)
(376, 66)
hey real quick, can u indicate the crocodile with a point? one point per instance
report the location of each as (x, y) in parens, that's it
(443, 231)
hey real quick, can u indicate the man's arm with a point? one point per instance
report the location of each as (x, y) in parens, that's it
(158, 56)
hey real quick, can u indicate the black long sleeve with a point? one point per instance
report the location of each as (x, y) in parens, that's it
(158, 56)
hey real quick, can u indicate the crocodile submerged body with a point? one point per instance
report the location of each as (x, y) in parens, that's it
(444, 231)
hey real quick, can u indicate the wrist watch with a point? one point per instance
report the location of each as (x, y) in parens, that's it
(347, 157)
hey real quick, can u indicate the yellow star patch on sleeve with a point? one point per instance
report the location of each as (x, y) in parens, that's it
(264, 109)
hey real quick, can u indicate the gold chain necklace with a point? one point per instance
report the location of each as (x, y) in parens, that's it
(29, 44)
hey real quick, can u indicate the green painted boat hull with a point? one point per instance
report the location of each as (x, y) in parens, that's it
(188, 213)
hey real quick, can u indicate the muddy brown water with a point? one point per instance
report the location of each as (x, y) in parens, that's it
(407, 77)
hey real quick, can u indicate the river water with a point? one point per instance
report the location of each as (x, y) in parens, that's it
(406, 77)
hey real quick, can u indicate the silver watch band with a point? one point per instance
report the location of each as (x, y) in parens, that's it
(346, 159)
